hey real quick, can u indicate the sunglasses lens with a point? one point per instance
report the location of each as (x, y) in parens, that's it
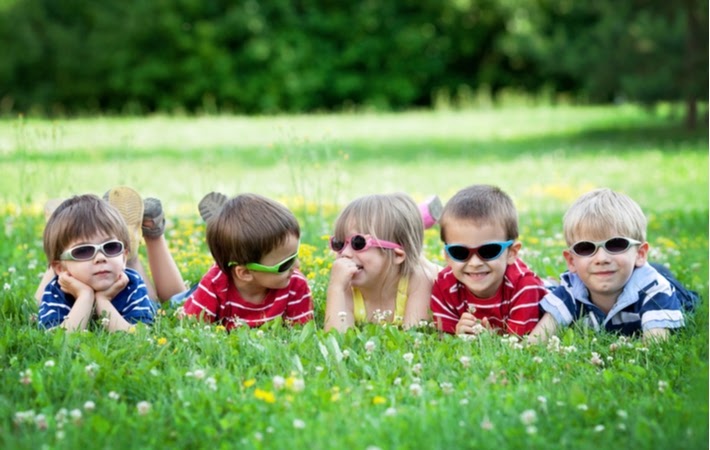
(113, 248)
(617, 245)
(584, 248)
(83, 253)
(458, 252)
(490, 251)
(358, 242)
(336, 245)
(287, 264)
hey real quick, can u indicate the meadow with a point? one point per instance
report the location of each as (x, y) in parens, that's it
(182, 384)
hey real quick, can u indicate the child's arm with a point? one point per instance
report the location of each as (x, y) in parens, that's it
(80, 314)
(339, 310)
(655, 335)
(106, 309)
(545, 328)
(418, 297)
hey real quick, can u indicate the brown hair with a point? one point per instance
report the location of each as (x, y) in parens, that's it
(481, 204)
(82, 217)
(390, 217)
(248, 227)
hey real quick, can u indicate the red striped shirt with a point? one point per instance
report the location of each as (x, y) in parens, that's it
(216, 299)
(514, 308)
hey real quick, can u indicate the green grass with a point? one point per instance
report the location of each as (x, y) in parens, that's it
(207, 388)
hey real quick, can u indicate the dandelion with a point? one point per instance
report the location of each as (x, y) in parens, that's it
(486, 424)
(415, 389)
(143, 407)
(379, 400)
(266, 396)
(299, 424)
(278, 382)
(89, 406)
(465, 361)
(528, 417)
(162, 341)
(249, 383)
(113, 395)
(220, 328)
(662, 385)
(408, 357)
(369, 346)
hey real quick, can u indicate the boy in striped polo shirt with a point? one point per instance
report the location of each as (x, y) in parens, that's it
(254, 242)
(485, 286)
(609, 284)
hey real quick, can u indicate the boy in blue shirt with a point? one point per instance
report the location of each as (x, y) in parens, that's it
(87, 242)
(609, 283)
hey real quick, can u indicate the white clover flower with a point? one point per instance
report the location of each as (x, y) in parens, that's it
(555, 380)
(408, 357)
(6, 286)
(537, 359)
(599, 428)
(531, 429)
(397, 381)
(391, 411)
(415, 389)
(662, 385)
(446, 387)
(199, 374)
(258, 436)
(26, 376)
(465, 361)
(369, 346)
(528, 417)
(297, 385)
(542, 399)
(41, 422)
(596, 360)
(346, 353)
(279, 382)
(91, 369)
(622, 414)
(582, 407)
(299, 424)
(486, 424)
(75, 415)
(113, 395)
(417, 368)
(259, 333)
(319, 368)
(143, 407)
(211, 383)
(89, 405)
(60, 435)
(463, 401)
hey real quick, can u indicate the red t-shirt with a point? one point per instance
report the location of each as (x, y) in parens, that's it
(218, 300)
(513, 309)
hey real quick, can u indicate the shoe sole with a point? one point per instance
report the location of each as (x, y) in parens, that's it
(129, 204)
(210, 205)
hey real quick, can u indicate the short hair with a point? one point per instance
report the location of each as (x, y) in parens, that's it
(481, 204)
(604, 213)
(248, 227)
(389, 217)
(82, 217)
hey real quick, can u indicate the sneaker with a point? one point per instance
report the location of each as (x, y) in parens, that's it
(128, 202)
(49, 207)
(153, 225)
(210, 205)
(431, 210)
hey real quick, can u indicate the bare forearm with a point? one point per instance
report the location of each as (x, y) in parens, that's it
(80, 314)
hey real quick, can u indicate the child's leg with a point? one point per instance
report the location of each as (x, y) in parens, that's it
(210, 205)
(166, 275)
(431, 210)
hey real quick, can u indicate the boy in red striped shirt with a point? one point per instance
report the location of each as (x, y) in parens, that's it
(254, 241)
(485, 286)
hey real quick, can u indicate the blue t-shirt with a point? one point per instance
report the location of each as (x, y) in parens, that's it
(132, 302)
(648, 301)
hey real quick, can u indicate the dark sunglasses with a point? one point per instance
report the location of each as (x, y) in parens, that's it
(360, 243)
(487, 252)
(613, 246)
(86, 252)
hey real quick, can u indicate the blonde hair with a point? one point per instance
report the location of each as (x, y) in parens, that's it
(389, 217)
(481, 204)
(248, 227)
(82, 217)
(604, 213)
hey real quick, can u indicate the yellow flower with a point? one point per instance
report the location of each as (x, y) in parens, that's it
(379, 400)
(162, 341)
(249, 383)
(220, 328)
(266, 396)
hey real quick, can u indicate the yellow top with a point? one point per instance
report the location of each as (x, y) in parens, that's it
(400, 303)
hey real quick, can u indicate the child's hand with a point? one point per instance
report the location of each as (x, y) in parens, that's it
(74, 287)
(342, 272)
(468, 324)
(119, 285)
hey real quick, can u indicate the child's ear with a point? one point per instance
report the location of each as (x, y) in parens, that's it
(569, 257)
(241, 273)
(642, 254)
(399, 255)
(513, 252)
(58, 267)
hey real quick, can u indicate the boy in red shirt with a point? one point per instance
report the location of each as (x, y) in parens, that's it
(254, 241)
(486, 285)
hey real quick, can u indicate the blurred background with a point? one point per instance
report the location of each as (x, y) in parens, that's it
(65, 58)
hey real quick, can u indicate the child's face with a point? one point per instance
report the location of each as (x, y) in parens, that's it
(99, 272)
(277, 280)
(603, 273)
(481, 277)
(374, 264)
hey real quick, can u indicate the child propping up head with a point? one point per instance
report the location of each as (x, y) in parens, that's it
(609, 284)
(254, 242)
(486, 285)
(379, 273)
(87, 242)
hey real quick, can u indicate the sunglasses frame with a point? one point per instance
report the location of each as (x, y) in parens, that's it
(369, 243)
(256, 267)
(67, 255)
(475, 250)
(602, 244)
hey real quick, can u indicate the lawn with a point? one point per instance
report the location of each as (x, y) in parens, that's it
(184, 385)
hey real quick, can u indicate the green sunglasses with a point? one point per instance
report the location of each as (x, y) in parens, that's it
(279, 267)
